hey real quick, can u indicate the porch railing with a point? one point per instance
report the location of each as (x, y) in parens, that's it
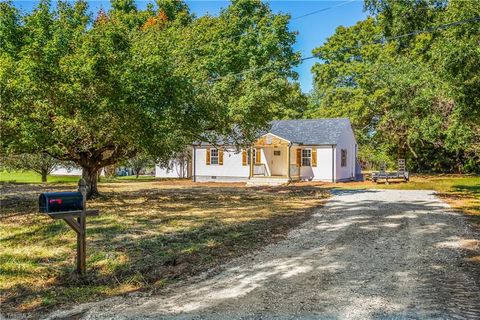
(259, 169)
(294, 170)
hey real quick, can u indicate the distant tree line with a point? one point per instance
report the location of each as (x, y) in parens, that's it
(415, 97)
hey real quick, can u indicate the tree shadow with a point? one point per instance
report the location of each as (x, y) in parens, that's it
(370, 259)
(472, 189)
(150, 236)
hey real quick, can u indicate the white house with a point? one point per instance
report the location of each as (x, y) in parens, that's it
(315, 149)
(75, 171)
(66, 171)
(176, 168)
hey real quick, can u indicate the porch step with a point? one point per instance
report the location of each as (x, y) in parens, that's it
(267, 181)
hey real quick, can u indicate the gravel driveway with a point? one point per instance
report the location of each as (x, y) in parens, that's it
(384, 254)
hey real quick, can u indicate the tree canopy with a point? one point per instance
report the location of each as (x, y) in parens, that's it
(415, 96)
(96, 89)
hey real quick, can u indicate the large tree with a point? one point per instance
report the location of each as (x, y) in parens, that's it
(96, 90)
(414, 96)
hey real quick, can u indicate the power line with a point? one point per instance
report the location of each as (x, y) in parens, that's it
(412, 33)
(295, 18)
(322, 10)
(440, 27)
(382, 41)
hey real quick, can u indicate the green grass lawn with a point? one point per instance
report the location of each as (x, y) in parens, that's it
(33, 177)
(149, 234)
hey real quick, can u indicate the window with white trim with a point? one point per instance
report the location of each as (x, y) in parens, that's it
(213, 156)
(306, 157)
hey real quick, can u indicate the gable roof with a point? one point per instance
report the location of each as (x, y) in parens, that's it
(325, 131)
(310, 131)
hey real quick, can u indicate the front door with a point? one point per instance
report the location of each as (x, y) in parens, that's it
(278, 162)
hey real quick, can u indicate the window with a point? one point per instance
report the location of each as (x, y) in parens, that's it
(213, 156)
(276, 152)
(306, 157)
(343, 158)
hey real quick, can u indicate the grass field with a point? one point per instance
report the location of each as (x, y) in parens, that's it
(149, 234)
(32, 177)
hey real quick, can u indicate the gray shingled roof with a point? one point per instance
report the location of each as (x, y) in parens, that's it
(310, 131)
(305, 131)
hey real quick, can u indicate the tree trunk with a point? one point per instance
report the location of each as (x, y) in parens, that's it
(137, 173)
(44, 176)
(90, 175)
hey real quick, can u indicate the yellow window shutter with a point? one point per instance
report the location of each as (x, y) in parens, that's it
(220, 157)
(314, 157)
(299, 157)
(208, 156)
(258, 156)
(244, 157)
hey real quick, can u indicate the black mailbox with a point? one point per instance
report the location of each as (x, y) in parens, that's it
(60, 201)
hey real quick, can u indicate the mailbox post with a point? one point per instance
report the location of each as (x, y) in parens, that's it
(81, 236)
(72, 208)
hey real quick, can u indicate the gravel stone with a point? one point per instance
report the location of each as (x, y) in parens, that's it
(367, 254)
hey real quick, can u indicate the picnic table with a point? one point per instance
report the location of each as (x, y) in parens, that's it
(401, 173)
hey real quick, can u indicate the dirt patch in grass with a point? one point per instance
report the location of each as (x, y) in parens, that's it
(149, 234)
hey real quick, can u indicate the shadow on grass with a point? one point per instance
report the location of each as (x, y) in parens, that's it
(470, 189)
(146, 238)
(388, 260)
(349, 254)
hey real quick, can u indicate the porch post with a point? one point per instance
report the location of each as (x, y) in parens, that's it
(251, 162)
(288, 161)
(194, 157)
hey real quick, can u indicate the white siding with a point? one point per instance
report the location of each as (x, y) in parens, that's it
(323, 170)
(62, 171)
(347, 141)
(231, 170)
(274, 165)
(328, 162)
(173, 171)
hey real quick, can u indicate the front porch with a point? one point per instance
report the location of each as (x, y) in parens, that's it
(271, 163)
(268, 180)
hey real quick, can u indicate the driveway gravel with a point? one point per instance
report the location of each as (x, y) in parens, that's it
(367, 254)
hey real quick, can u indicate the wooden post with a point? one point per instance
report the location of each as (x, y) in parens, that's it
(77, 220)
(288, 162)
(251, 162)
(81, 236)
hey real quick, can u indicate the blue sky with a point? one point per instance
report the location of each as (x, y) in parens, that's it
(312, 30)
